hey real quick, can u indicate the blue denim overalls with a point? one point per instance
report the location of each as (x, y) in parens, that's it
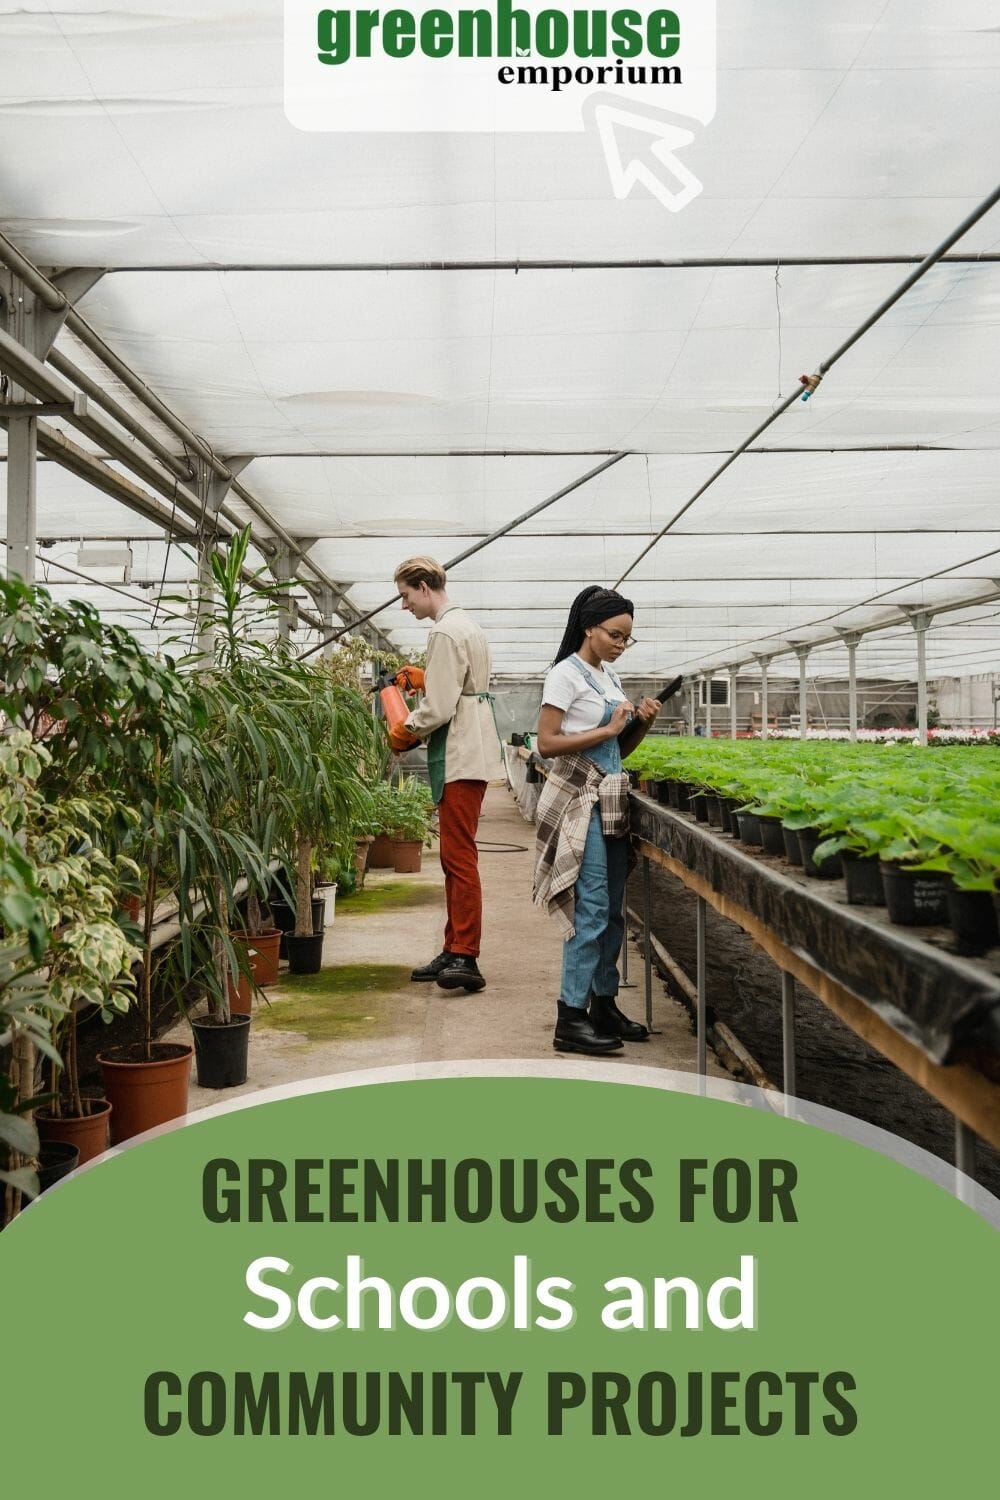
(590, 956)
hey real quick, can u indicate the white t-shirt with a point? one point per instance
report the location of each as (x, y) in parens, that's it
(568, 689)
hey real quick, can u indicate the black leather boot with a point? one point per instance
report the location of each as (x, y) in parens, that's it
(607, 1020)
(461, 972)
(433, 969)
(574, 1033)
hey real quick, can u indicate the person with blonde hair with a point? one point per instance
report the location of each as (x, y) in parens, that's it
(456, 719)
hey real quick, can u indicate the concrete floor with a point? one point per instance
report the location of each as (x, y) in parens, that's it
(363, 1012)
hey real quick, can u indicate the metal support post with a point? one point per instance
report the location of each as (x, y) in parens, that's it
(24, 316)
(324, 599)
(647, 933)
(707, 679)
(965, 1162)
(22, 516)
(693, 706)
(788, 1040)
(764, 662)
(802, 652)
(701, 985)
(732, 702)
(281, 567)
(920, 620)
(626, 983)
(852, 639)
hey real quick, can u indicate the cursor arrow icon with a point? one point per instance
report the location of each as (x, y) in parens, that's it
(639, 149)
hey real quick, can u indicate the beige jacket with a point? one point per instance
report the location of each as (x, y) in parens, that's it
(458, 667)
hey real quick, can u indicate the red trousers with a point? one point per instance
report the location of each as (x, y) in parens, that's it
(458, 819)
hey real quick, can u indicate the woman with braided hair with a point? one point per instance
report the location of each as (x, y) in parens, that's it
(582, 851)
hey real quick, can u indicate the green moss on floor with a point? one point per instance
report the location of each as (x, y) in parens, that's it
(342, 1001)
(389, 896)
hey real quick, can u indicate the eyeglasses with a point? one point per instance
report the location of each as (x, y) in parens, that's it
(625, 641)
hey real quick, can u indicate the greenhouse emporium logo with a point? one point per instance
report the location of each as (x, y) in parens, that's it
(502, 66)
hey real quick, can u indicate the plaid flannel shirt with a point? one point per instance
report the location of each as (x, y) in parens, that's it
(574, 785)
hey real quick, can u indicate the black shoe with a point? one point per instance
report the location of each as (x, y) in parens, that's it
(574, 1033)
(433, 969)
(461, 972)
(607, 1020)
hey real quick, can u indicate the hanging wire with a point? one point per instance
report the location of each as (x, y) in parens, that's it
(166, 556)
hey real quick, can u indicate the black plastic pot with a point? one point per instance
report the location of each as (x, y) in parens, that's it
(284, 920)
(770, 835)
(56, 1159)
(714, 809)
(827, 869)
(973, 919)
(749, 826)
(793, 850)
(221, 1052)
(699, 806)
(305, 954)
(685, 791)
(863, 876)
(674, 793)
(915, 898)
(663, 792)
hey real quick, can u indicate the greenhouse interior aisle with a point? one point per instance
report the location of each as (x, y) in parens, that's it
(363, 1012)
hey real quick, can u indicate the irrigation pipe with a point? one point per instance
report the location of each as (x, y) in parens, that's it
(811, 382)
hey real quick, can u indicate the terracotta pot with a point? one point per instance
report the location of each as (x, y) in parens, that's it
(240, 995)
(88, 1132)
(406, 856)
(263, 949)
(146, 1094)
(380, 853)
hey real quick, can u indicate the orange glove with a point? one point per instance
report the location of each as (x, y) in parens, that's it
(410, 679)
(401, 739)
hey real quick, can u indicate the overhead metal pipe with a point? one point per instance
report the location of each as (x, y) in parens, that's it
(675, 263)
(122, 416)
(40, 381)
(827, 364)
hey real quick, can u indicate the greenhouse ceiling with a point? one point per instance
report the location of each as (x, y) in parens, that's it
(409, 340)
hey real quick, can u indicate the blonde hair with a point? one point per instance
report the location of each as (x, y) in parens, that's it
(417, 570)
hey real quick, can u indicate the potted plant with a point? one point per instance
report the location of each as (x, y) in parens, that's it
(114, 722)
(327, 794)
(410, 816)
(89, 958)
(25, 1025)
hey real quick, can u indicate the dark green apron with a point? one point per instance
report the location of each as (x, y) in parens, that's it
(437, 745)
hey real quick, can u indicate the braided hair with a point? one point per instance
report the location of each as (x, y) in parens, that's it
(590, 607)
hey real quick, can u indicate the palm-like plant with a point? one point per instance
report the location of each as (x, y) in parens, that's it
(328, 797)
